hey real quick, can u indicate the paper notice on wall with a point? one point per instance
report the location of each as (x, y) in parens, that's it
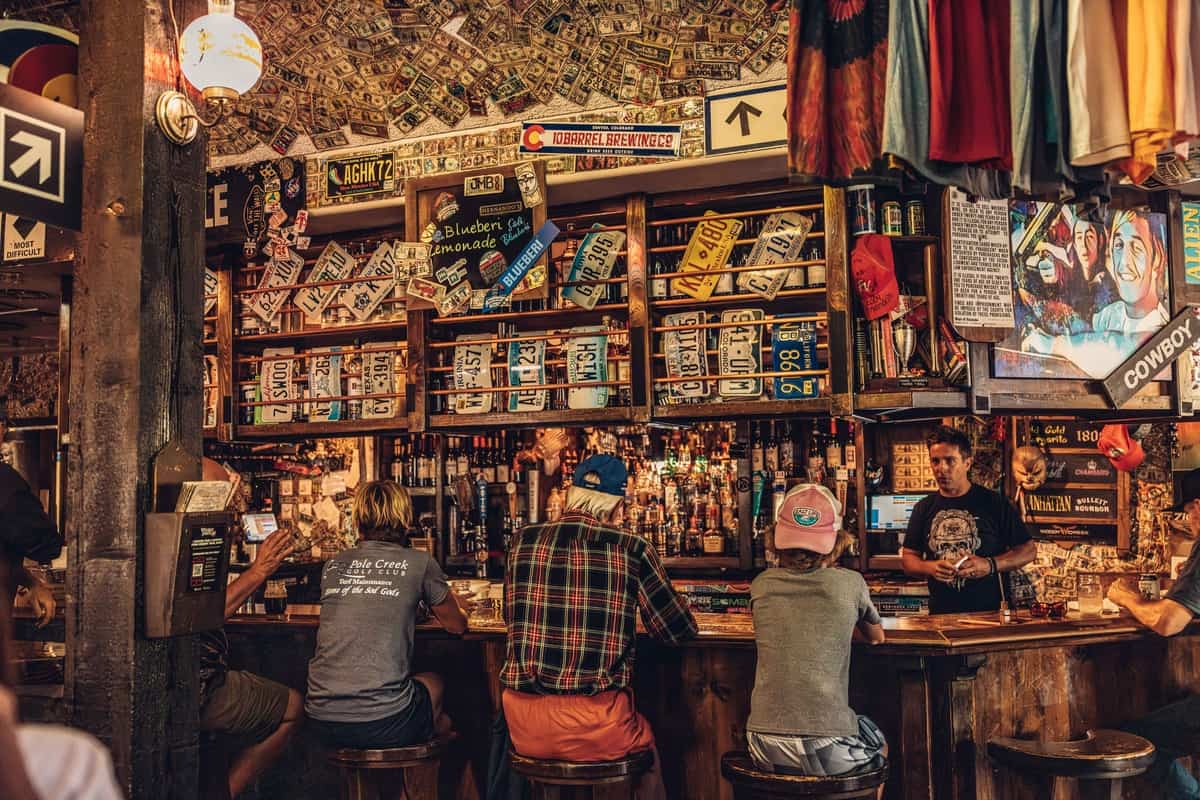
(981, 293)
(276, 384)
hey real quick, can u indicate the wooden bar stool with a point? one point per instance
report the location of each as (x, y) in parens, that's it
(386, 774)
(751, 783)
(1105, 755)
(583, 780)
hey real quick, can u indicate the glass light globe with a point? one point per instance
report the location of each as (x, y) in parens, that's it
(219, 54)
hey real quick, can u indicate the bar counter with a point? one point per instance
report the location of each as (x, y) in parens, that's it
(939, 687)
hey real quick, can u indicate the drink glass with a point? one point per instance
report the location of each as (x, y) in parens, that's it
(1091, 597)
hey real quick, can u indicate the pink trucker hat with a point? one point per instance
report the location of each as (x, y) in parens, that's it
(809, 519)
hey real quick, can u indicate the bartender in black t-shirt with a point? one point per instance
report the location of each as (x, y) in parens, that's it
(964, 536)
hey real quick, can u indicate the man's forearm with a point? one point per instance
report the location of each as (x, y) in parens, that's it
(23, 577)
(1017, 557)
(246, 584)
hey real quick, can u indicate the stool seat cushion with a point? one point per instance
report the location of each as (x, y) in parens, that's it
(1102, 755)
(392, 757)
(739, 770)
(545, 770)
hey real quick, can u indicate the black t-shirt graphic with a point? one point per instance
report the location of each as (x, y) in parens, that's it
(982, 523)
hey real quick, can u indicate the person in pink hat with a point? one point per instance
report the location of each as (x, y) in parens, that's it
(806, 613)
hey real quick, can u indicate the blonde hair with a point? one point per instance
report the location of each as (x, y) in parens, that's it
(591, 502)
(383, 512)
(801, 559)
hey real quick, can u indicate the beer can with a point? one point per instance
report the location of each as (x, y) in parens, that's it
(893, 219)
(914, 217)
(862, 209)
(1148, 585)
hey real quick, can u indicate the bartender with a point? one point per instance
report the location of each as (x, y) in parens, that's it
(961, 538)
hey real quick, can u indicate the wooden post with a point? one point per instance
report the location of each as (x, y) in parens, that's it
(135, 384)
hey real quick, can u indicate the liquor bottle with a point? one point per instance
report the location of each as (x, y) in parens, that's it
(714, 540)
(814, 461)
(503, 461)
(414, 463)
(787, 452)
(756, 452)
(451, 465)
(833, 449)
(692, 543)
(778, 493)
(463, 468)
(430, 461)
(675, 540)
(771, 452)
(506, 532)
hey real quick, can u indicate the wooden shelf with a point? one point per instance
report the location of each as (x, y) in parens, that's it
(421, 491)
(743, 408)
(383, 329)
(915, 240)
(884, 562)
(349, 427)
(816, 293)
(701, 562)
(587, 416)
(572, 316)
(910, 399)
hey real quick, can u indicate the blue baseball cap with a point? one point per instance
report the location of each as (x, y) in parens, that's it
(601, 473)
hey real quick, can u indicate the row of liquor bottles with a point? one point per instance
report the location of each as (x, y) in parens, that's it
(413, 459)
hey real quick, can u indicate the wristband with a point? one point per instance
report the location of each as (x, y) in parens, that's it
(995, 569)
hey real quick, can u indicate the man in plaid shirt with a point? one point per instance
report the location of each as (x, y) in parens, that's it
(573, 591)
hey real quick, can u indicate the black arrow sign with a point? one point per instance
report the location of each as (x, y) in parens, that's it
(41, 158)
(743, 110)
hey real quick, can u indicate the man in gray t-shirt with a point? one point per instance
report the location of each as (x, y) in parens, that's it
(1173, 729)
(362, 668)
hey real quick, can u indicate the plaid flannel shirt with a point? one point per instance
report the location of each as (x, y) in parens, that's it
(573, 589)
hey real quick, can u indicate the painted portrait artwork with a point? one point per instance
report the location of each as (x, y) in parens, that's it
(1086, 293)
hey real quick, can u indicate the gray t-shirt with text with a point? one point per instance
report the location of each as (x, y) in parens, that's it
(369, 600)
(803, 622)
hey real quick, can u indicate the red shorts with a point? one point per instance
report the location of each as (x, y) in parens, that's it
(575, 727)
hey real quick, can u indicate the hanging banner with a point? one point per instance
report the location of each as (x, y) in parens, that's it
(473, 370)
(363, 297)
(708, 249)
(794, 349)
(498, 295)
(780, 241)
(275, 383)
(587, 362)
(325, 380)
(527, 365)
(601, 139)
(740, 352)
(333, 264)
(283, 271)
(1191, 242)
(686, 355)
(379, 377)
(593, 262)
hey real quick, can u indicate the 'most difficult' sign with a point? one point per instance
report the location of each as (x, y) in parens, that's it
(1171, 342)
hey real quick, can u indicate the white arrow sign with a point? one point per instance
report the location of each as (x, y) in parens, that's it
(38, 153)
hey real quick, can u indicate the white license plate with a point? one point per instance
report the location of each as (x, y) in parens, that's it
(741, 352)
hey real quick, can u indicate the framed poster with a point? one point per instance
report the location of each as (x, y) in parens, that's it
(1086, 294)
(476, 224)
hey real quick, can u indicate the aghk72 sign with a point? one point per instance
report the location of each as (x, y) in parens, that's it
(1172, 341)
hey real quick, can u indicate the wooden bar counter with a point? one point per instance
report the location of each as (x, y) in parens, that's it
(940, 687)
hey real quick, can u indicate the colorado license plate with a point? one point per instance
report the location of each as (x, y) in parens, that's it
(741, 352)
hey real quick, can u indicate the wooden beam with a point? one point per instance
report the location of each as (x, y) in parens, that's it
(135, 385)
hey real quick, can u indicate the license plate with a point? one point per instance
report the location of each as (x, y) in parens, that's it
(483, 185)
(794, 349)
(275, 383)
(527, 365)
(363, 297)
(379, 377)
(280, 272)
(333, 264)
(708, 249)
(741, 352)
(210, 290)
(686, 356)
(587, 362)
(780, 241)
(594, 262)
(473, 370)
(325, 380)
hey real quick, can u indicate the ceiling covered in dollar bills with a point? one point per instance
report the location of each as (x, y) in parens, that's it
(341, 73)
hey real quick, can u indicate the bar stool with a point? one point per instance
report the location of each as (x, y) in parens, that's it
(1105, 755)
(386, 774)
(583, 780)
(751, 783)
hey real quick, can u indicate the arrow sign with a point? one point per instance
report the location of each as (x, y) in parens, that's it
(743, 110)
(41, 158)
(728, 116)
(39, 153)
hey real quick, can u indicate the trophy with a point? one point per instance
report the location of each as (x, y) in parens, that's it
(905, 337)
